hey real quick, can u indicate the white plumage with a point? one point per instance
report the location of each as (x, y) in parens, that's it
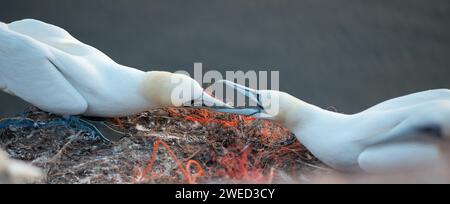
(44, 65)
(12, 171)
(408, 132)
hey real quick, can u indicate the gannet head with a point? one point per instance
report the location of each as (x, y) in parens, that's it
(274, 105)
(267, 104)
(165, 89)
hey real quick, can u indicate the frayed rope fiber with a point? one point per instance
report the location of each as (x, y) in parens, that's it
(20, 122)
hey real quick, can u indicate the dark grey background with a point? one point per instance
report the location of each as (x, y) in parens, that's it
(348, 54)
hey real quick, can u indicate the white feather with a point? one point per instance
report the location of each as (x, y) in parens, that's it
(401, 132)
(378, 134)
(412, 99)
(29, 71)
(46, 66)
(399, 156)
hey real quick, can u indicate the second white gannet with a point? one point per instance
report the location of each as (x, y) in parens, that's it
(402, 133)
(47, 67)
(13, 171)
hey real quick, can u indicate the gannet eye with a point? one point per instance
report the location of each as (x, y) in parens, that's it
(432, 130)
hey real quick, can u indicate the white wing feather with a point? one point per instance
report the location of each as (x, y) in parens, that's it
(58, 38)
(399, 156)
(81, 64)
(412, 99)
(47, 34)
(30, 71)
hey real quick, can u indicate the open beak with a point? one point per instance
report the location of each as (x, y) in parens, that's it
(251, 94)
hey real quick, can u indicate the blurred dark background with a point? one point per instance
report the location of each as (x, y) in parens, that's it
(348, 54)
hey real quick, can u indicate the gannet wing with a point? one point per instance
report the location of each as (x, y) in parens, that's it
(81, 63)
(30, 71)
(57, 38)
(412, 99)
(398, 156)
(413, 142)
(423, 122)
(47, 34)
(40, 30)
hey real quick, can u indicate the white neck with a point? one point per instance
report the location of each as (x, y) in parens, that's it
(125, 96)
(295, 113)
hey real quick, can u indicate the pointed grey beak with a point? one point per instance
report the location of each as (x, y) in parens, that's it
(252, 94)
(207, 101)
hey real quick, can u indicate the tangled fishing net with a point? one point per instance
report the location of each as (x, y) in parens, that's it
(175, 145)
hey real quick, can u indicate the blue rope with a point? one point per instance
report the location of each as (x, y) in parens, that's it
(10, 122)
(72, 122)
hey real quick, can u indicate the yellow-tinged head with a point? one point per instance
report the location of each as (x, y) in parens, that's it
(165, 89)
(274, 105)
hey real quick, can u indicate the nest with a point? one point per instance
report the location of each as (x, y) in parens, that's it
(174, 145)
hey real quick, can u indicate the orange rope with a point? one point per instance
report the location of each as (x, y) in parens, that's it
(191, 179)
(206, 116)
(201, 171)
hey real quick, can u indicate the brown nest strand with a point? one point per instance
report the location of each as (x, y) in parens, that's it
(194, 146)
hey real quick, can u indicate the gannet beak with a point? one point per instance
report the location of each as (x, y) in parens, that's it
(253, 96)
(207, 101)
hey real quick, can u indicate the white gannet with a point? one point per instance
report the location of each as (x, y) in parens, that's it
(12, 171)
(402, 133)
(47, 67)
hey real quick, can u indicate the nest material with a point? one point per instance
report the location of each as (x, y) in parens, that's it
(195, 146)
